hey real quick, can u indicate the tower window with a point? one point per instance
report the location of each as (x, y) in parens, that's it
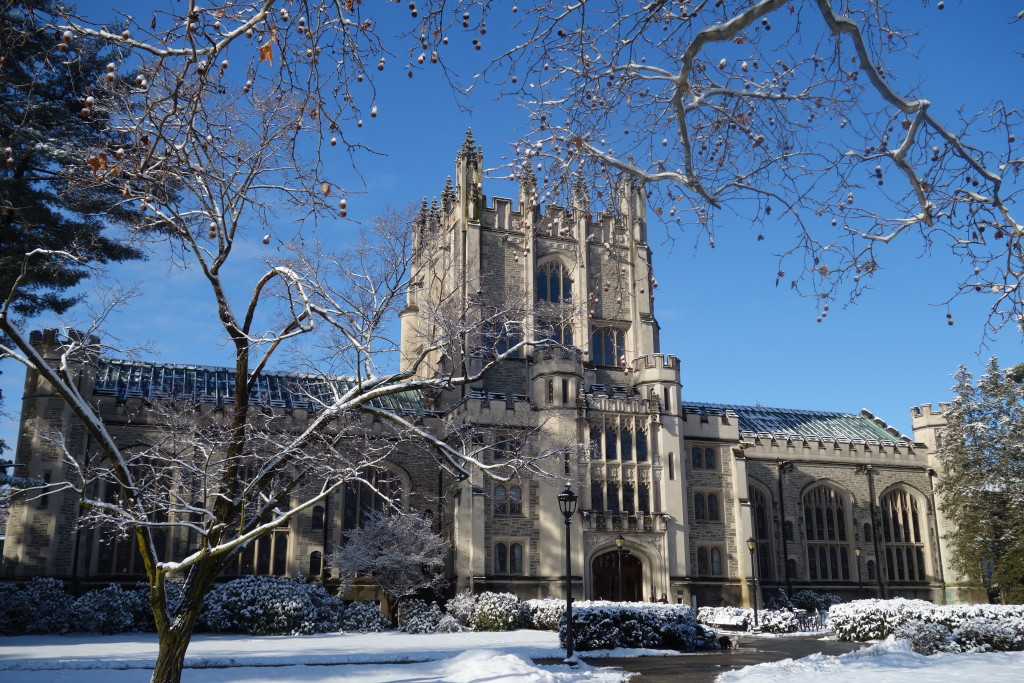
(607, 346)
(554, 283)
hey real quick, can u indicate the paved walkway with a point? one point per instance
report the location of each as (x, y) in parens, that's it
(706, 666)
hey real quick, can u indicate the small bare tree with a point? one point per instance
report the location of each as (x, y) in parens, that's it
(783, 115)
(398, 551)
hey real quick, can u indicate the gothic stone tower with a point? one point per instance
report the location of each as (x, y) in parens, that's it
(603, 405)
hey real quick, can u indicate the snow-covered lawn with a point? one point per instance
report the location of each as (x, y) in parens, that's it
(891, 661)
(392, 657)
(370, 658)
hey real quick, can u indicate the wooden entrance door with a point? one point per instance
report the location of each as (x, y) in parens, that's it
(604, 572)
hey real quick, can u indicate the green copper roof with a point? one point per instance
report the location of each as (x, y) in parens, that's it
(789, 422)
(201, 384)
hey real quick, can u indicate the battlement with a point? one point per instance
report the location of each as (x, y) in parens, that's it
(815, 446)
(657, 367)
(660, 361)
(711, 424)
(925, 415)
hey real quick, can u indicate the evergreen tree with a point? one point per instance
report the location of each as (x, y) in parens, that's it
(982, 486)
(48, 129)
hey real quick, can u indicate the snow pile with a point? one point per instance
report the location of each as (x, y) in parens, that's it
(892, 661)
(878, 619)
(603, 625)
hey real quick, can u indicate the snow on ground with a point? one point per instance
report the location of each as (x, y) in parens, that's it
(891, 661)
(392, 657)
(327, 658)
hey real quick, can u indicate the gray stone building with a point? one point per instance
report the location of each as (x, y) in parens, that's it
(836, 502)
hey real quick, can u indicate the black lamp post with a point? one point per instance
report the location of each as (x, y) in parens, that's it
(752, 546)
(860, 583)
(622, 553)
(567, 505)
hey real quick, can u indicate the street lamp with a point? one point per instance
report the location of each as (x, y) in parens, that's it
(752, 546)
(622, 553)
(860, 584)
(567, 505)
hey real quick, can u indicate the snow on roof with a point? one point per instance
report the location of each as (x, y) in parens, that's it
(204, 384)
(803, 423)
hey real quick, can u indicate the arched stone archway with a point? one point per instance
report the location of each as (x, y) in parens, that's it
(604, 573)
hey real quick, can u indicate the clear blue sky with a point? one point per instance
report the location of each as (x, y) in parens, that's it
(740, 339)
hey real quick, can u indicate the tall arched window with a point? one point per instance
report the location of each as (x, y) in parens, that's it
(716, 562)
(713, 507)
(318, 518)
(698, 507)
(626, 443)
(515, 500)
(607, 346)
(761, 510)
(596, 495)
(315, 563)
(382, 493)
(515, 559)
(828, 553)
(902, 527)
(500, 558)
(703, 564)
(641, 446)
(500, 500)
(628, 499)
(554, 282)
(610, 443)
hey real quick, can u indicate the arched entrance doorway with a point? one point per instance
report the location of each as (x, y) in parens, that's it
(604, 572)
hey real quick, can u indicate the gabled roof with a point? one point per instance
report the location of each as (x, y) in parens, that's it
(804, 423)
(203, 384)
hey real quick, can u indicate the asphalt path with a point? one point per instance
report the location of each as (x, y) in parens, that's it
(705, 666)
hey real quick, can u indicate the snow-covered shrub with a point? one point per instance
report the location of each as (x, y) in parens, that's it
(462, 607)
(541, 615)
(106, 610)
(496, 612)
(778, 599)
(778, 621)
(450, 624)
(925, 638)
(731, 617)
(39, 607)
(363, 617)
(267, 605)
(601, 625)
(985, 635)
(416, 616)
(812, 602)
(877, 619)
(8, 592)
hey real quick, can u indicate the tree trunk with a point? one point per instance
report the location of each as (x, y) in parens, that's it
(170, 660)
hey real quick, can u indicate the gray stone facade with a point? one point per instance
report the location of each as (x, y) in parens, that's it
(812, 487)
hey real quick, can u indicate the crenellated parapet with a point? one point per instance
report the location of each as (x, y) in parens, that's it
(657, 367)
(710, 425)
(797, 447)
